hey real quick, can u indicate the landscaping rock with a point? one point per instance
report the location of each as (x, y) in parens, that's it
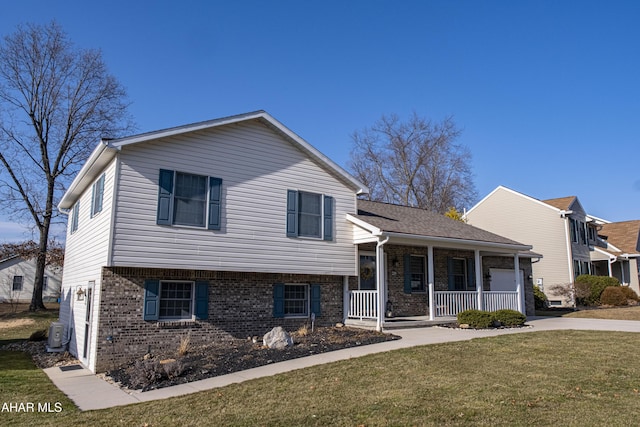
(277, 338)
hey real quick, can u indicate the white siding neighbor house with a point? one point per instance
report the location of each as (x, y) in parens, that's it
(16, 280)
(229, 227)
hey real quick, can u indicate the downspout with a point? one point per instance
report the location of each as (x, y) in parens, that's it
(380, 282)
(564, 215)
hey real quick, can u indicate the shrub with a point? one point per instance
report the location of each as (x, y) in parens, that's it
(539, 298)
(629, 293)
(185, 345)
(589, 288)
(146, 372)
(476, 318)
(613, 295)
(39, 335)
(509, 317)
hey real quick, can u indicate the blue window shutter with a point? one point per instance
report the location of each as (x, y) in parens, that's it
(292, 213)
(151, 299)
(165, 193)
(316, 299)
(202, 300)
(328, 218)
(215, 203)
(407, 273)
(452, 282)
(471, 273)
(278, 300)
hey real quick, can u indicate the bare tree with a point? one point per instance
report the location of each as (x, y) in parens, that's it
(414, 163)
(56, 102)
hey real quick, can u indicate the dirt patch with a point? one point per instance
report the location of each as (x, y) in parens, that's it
(167, 369)
(15, 323)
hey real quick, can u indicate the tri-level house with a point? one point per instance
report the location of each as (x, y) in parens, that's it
(617, 251)
(559, 229)
(229, 227)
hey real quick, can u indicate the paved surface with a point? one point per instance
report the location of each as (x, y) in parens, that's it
(91, 392)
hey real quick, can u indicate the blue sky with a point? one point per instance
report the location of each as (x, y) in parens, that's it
(547, 93)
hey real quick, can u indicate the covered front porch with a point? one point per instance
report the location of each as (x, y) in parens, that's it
(419, 266)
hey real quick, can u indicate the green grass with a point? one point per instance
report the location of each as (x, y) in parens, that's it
(535, 378)
(615, 313)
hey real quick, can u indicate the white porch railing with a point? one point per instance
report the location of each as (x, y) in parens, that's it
(363, 305)
(495, 300)
(450, 303)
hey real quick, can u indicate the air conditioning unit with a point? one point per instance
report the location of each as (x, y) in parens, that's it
(56, 332)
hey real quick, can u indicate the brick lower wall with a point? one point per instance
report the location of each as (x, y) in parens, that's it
(240, 306)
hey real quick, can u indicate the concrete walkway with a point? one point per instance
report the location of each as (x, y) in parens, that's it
(91, 392)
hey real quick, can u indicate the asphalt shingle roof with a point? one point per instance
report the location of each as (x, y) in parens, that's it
(419, 222)
(562, 203)
(624, 235)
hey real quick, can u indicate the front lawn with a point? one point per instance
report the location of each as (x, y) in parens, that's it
(535, 378)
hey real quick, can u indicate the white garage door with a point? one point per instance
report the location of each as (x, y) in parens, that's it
(504, 280)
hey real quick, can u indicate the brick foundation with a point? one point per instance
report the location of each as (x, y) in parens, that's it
(240, 306)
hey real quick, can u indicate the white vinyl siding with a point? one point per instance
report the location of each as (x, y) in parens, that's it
(257, 167)
(26, 269)
(86, 252)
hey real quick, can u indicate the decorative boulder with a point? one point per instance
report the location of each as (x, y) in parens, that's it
(277, 338)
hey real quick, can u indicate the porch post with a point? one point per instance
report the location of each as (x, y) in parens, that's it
(380, 283)
(431, 280)
(519, 287)
(479, 286)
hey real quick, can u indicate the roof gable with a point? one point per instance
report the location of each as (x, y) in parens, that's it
(419, 222)
(107, 150)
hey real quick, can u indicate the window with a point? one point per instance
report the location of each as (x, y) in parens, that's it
(189, 199)
(592, 233)
(414, 273)
(309, 215)
(97, 192)
(296, 300)
(583, 232)
(573, 228)
(45, 283)
(576, 268)
(461, 272)
(75, 214)
(17, 284)
(175, 300)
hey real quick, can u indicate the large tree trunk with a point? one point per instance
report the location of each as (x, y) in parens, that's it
(41, 263)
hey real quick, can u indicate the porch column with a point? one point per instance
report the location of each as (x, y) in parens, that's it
(380, 283)
(519, 287)
(479, 287)
(431, 280)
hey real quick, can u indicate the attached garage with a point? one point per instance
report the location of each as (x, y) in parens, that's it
(504, 280)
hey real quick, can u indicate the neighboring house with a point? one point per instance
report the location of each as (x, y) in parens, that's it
(17, 276)
(229, 227)
(559, 229)
(617, 252)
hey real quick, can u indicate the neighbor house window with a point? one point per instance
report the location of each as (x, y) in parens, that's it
(45, 283)
(296, 300)
(189, 199)
(17, 283)
(175, 300)
(97, 192)
(573, 229)
(75, 214)
(309, 215)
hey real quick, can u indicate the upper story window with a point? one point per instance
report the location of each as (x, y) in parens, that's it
(75, 215)
(189, 199)
(573, 229)
(309, 215)
(97, 192)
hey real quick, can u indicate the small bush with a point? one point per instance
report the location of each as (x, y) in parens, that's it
(173, 368)
(613, 295)
(146, 372)
(629, 293)
(476, 319)
(509, 317)
(589, 288)
(39, 335)
(539, 298)
(185, 345)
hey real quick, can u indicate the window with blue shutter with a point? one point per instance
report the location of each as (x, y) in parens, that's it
(407, 273)
(202, 300)
(471, 274)
(310, 215)
(75, 216)
(151, 299)
(189, 199)
(278, 300)
(316, 300)
(97, 192)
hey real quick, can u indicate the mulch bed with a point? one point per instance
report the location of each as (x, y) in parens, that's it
(164, 370)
